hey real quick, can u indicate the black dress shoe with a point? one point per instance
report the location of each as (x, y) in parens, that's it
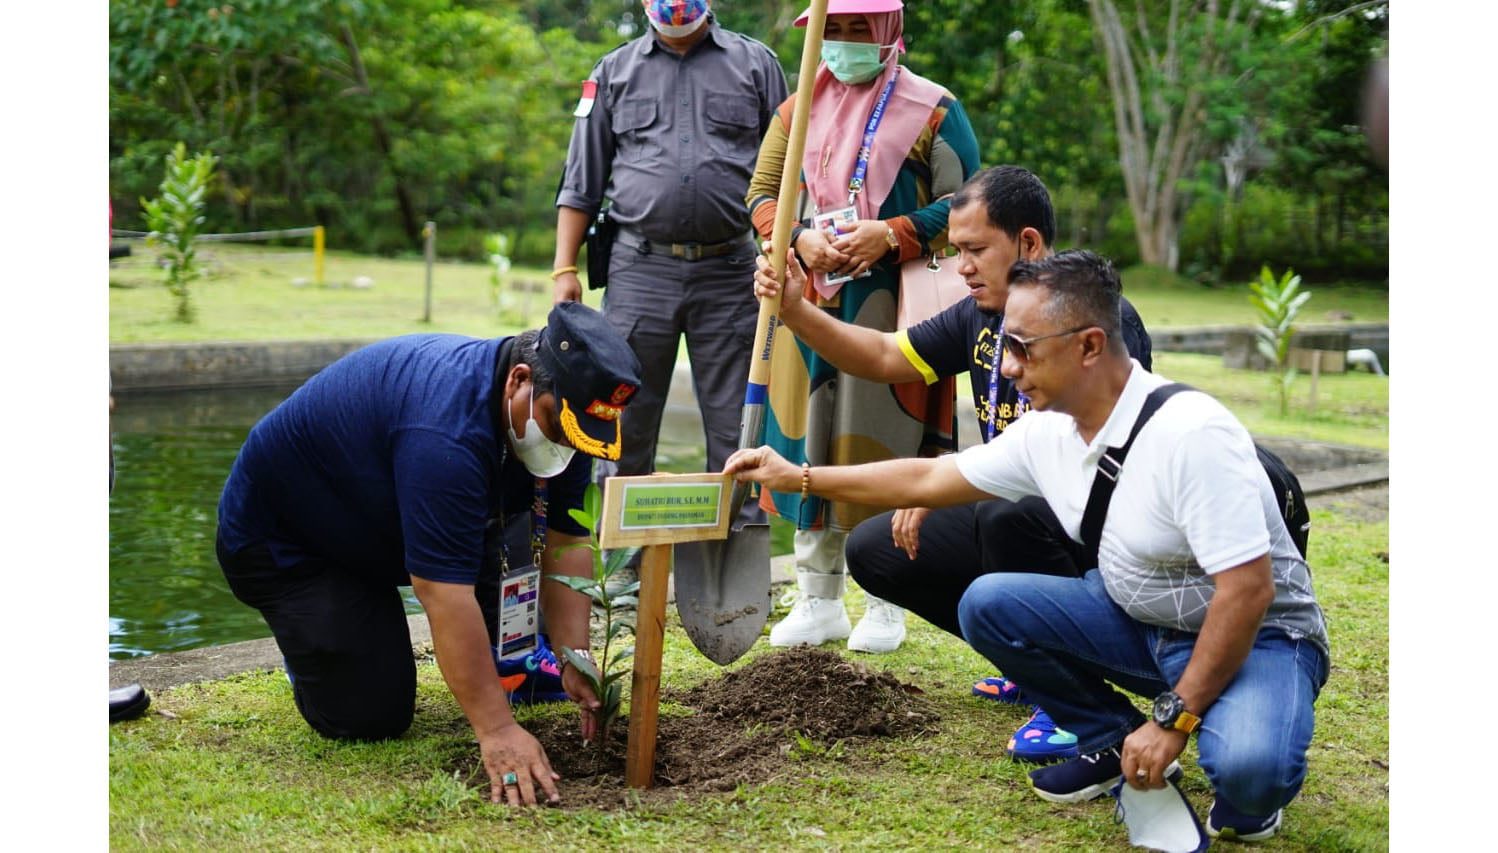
(128, 702)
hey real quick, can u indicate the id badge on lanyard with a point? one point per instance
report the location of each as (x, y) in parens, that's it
(519, 612)
(520, 589)
(835, 223)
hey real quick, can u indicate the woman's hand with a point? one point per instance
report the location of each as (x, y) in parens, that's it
(818, 252)
(864, 246)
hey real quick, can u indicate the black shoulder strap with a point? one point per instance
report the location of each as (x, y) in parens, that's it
(1111, 465)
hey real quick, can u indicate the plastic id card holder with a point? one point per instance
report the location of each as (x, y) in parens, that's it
(519, 612)
(835, 223)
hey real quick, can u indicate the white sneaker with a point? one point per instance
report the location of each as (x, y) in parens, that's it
(812, 622)
(881, 630)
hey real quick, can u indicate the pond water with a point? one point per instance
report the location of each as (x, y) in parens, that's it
(172, 454)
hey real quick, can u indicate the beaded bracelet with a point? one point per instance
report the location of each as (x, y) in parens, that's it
(805, 479)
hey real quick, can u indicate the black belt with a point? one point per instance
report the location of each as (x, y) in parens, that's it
(685, 251)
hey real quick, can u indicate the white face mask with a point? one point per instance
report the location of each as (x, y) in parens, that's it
(542, 457)
(678, 31)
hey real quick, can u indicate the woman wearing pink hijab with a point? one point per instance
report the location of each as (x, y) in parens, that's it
(883, 147)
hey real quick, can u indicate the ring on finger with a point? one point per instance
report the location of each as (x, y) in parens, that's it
(511, 779)
(1141, 773)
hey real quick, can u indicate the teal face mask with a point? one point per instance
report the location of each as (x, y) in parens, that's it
(852, 62)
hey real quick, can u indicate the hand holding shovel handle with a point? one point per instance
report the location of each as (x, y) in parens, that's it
(756, 395)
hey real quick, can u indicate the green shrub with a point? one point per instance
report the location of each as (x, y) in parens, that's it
(174, 218)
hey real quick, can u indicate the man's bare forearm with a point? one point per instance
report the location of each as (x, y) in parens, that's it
(567, 611)
(572, 226)
(1242, 596)
(866, 353)
(463, 653)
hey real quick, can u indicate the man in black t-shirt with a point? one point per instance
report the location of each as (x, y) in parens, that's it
(924, 559)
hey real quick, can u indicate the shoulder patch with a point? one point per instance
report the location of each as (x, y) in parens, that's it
(585, 103)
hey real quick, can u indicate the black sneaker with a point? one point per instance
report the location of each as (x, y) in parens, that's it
(1086, 777)
(1224, 821)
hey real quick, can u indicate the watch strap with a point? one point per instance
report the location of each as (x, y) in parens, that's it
(1186, 722)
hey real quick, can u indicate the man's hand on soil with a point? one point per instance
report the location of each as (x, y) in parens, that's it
(512, 749)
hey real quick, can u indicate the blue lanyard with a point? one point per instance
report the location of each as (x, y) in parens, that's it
(538, 521)
(861, 168)
(993, 388)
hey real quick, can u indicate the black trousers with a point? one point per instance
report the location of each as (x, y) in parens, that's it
(957, 545)
(344, 636)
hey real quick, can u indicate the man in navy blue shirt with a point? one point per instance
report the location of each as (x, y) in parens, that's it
(400, 464)
(925, 559)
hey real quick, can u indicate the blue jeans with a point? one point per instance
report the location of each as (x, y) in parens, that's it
(1063, 639)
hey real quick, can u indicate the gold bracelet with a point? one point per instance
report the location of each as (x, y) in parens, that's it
(562, 271)
(805, 479)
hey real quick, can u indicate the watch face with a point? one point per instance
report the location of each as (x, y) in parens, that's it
(1167, 708)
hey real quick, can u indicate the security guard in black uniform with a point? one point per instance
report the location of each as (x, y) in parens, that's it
(668, 130)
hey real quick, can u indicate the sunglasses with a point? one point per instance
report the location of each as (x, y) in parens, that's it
(1019, 348)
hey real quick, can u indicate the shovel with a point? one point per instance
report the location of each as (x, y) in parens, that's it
(723, 586)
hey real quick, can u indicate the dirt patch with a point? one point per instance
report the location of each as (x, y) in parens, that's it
(747, 726)
(1370, 503)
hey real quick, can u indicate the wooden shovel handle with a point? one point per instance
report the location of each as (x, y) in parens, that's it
(790, 177)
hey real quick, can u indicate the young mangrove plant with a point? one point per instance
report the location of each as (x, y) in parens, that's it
(1278, 302)
(174, 218)
(606, 677)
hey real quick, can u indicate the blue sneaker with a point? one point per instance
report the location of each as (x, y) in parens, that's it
(1086, 777)
(999, 689)
(533, 678)
(1040, 741)
(1224, 821)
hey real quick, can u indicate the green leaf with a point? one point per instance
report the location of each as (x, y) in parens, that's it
(617, 558)
(593, 503)
(579, 584)
(582, 517)
(584, 666)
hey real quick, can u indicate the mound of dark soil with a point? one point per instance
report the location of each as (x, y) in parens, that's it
(816, 693)
(743, 729)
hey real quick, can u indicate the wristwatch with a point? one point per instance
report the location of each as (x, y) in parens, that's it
(891, 239)
(1170, 712)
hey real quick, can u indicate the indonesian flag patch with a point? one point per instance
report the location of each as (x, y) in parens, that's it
(585, 103)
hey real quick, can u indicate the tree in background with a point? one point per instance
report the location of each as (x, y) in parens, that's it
(371, 118)
(366, 117)
(1168, 63)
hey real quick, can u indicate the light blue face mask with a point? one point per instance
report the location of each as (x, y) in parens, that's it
(853, 62)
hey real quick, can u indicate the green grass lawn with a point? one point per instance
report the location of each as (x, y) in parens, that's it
(251, 294)
(234, 766)
(1351, 408)
(231, 764)
(1166, 300)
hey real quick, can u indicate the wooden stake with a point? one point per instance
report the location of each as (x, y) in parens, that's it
(645, 690)
(1315, 376)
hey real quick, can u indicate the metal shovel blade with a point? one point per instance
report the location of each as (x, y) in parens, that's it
(723, 591)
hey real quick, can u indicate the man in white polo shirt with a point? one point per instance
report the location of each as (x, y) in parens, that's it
(1200, 598)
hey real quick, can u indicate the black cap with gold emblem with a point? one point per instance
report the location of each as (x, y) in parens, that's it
(596, 376)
